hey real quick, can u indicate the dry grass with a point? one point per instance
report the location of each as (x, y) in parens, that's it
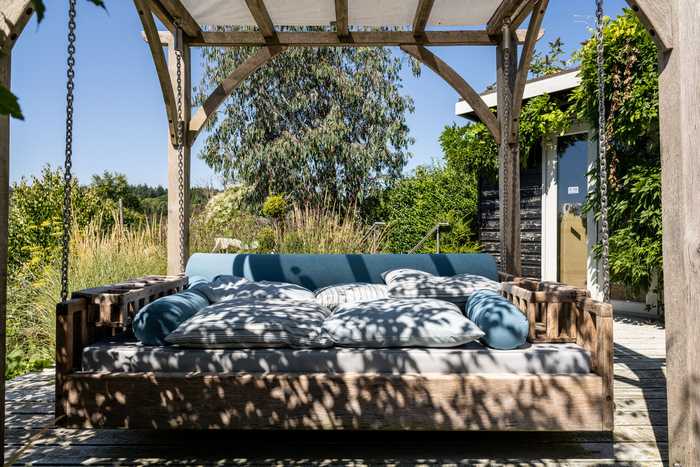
(98, 257)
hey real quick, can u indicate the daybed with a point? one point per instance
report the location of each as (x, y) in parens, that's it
(560, 381)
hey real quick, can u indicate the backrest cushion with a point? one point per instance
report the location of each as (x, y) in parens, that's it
(155, 321)
(316, 271)
(505, 326)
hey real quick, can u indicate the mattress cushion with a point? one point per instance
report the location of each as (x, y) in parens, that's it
(473, 358)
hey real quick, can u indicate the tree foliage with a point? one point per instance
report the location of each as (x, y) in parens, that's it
(323, 125)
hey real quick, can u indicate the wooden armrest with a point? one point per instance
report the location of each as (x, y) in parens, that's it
(93, 314)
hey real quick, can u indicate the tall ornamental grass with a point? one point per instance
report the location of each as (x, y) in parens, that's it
(99, 256)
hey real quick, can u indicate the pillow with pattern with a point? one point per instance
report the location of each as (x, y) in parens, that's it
(335, 295)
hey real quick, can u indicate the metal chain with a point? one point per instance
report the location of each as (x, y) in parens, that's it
(602, 152)
(180, 159)
(68, 164)
(506, 130)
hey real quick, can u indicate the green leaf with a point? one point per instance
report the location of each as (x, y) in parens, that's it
(99, 3)
(9, 105)
(39, 8)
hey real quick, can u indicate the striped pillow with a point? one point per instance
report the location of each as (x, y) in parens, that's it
(254, 323)
(335, 295)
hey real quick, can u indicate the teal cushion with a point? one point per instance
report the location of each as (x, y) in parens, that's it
(317, 271)
(505, 326)
(156, 320)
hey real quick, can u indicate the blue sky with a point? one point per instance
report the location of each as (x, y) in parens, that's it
(120, 118)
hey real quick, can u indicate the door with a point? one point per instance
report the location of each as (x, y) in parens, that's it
(572, 187)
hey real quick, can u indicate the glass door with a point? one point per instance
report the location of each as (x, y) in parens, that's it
(572, 187)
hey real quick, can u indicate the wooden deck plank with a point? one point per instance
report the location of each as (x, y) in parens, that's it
(640, 436)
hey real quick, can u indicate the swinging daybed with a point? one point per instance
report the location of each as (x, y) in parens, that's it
(379, 400)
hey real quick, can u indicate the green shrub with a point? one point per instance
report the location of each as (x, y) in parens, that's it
(432, 195)
(275, 207)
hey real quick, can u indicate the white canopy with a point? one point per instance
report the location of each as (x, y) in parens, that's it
(360, 12)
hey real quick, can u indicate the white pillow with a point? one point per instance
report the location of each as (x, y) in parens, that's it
(394, 322)
(254, 323)
(335, 295)
(455, 289)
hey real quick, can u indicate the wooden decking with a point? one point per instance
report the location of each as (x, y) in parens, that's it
(640, 436)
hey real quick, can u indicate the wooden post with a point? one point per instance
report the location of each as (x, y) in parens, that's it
(508, 154)
(680, 167)
(5, 72)
(15, 15)
(175, 235)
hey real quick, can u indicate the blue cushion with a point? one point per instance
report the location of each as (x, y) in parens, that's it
(196, 280)
(316, 271)
(156, 320)
(505, 326)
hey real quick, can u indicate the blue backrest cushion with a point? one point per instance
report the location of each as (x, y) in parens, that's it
(505, 326)
(316, 271)
(155, 321)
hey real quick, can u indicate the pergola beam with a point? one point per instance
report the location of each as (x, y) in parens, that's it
(155, 45)
(422, 15)
(526, 57)
(453, 78)
(174, 12)
(353, 39)
(521, 13)
(228, 85)
(503, 14)
(341, 17)
(262, 19)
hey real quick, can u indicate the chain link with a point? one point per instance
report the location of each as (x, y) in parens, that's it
(602, 152)
(180, 161)
(68, 164)
(506, 136)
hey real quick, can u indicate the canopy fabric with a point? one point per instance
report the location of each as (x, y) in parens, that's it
(360, 12)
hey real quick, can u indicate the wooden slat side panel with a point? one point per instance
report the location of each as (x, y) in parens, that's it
(323, 401)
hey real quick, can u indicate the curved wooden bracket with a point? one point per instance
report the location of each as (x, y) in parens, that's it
(657, 16)
(155, 45)
(224, 90)
(463, 88)
(14, 16)
(528, 50)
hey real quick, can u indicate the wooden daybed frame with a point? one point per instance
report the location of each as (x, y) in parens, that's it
(347, 401)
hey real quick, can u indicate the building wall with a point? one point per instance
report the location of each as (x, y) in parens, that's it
(530, 213)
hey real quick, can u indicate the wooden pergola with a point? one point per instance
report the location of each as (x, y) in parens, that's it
(672, 23)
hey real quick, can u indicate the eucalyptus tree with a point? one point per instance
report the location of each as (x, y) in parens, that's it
(319, 125)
